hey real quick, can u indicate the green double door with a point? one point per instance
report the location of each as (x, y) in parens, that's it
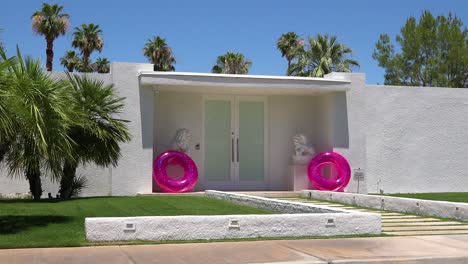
(235, 149)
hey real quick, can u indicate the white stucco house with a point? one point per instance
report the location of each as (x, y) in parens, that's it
(405, 139)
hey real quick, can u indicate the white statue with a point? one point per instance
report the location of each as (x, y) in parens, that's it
(302, 146)
(182, 140)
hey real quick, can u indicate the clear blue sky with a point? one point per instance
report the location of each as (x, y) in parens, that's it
(199, 31)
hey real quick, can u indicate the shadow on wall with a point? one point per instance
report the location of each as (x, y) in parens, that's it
(332, 129)
(340, 121)
(147, 112)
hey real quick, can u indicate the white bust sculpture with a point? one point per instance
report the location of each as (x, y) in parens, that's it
(182, 140)
(303, 151)
(302, 146)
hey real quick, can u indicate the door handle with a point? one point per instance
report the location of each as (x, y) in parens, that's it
(232, 150)
(237, 149)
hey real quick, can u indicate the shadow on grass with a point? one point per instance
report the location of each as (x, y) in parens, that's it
(11, 224)
(17, 200)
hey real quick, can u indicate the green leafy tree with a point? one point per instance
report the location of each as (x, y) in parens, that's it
(40, 112)
(98, 137)
(70, 60)
(87, 38)
(232, 63)
(290, 45)
(434, 52)
(323, 55)
(102, 65)
(160, 54)
(51, 23)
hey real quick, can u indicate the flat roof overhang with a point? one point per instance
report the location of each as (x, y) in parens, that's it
(240, 84)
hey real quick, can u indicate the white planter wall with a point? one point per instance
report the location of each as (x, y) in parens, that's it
(295, 220)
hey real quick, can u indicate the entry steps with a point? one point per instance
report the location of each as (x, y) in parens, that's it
(401, 224)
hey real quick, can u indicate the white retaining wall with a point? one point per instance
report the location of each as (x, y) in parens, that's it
(407, 205)
(229, 226)
(278, 206)
(320, 221)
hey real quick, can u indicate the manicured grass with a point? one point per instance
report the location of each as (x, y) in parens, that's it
(51, 223)
(461, 197)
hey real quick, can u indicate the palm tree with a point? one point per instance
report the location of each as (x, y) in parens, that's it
(290, 46)
(160, 54)
(102, 65)
(70, 60)
(7, 124)
(87, 39)
(324, 55)
(1, 43)
(97, 138)
(232, 63)
(41, 112)
(51, 23)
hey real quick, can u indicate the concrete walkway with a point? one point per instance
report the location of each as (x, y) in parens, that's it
(398, 224)
(418, 249)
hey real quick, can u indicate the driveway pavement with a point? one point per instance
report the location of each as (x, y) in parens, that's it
(410, 249)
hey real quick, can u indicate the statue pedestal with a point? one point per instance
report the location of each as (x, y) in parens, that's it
(301, 160)
(297, 178)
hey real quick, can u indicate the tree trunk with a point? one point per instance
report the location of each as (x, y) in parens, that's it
(69, 173)
(50, 53)
(35, 186)
(86, 56)
(3, 151)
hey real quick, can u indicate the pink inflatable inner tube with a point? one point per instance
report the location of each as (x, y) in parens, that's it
(340, 178)
(168, 184)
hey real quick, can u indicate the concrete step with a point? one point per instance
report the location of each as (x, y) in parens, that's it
(329, 205)
(333, 205)
(400, 217)
(428, 219)
(391, 214)
(439, 223)
(303, 200)
(420, 233)
(272, 194)
(306, 200)
(369, 211)
(314, 203)
(424, 228)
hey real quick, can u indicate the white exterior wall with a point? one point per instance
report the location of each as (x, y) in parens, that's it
(12, 185)
(416, 139)
(288, 115)
(175, 111)
(406, 139)
(133, 174)
(347, 122)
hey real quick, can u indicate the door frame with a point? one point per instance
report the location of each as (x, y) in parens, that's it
(235, 183)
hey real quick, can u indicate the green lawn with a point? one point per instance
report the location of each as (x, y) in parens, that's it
(25, 223)
(461, 197)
